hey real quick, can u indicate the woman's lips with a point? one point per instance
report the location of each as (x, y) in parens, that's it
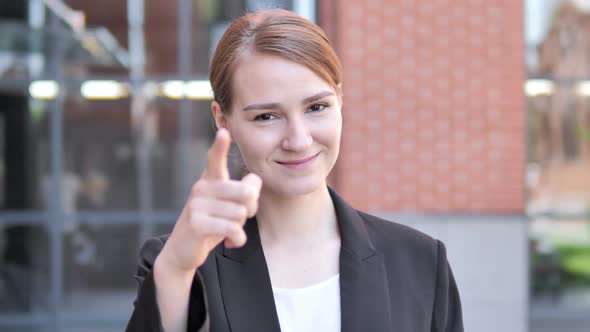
(298, 164)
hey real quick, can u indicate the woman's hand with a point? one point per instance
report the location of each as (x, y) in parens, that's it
(216, 210)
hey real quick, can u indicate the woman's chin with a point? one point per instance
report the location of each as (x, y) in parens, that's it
(295, 187)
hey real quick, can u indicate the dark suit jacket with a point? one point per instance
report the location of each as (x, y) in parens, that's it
(392, 278)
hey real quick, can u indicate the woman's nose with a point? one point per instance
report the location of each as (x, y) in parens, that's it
(297, 136)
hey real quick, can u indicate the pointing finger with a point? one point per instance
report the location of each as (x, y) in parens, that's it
(217, 157)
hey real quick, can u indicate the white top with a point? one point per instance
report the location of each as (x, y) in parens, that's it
(310, 309)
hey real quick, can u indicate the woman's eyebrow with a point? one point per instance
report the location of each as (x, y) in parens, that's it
(263, 106)
(316, 97)
(274, 106)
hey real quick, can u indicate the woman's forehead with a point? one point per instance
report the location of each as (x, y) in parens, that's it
(268, 76)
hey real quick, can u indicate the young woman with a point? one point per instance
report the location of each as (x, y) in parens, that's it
(279, 250)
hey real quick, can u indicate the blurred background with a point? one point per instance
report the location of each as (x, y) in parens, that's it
(466, 119)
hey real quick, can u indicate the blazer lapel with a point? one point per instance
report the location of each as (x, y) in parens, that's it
(364, 282)
(364, 287)
(245, 285)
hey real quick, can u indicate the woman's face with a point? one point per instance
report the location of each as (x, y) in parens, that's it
(286, 122)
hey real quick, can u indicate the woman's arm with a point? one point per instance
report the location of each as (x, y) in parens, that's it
(165, 296)
(447, 315)
(215, 211)
(146, 314)
(173, 293)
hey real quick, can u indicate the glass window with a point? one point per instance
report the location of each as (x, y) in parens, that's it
(101, 137)
(99, 155)
(558, 171)
(93, 281)
(24, 267)
(24, 152)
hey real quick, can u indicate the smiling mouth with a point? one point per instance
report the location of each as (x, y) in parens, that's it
(298, 162)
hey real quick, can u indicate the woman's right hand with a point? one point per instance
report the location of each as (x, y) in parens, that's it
(215, 211)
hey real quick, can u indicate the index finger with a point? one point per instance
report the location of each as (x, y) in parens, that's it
(217, 157)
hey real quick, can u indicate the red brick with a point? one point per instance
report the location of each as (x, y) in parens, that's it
(442, 82)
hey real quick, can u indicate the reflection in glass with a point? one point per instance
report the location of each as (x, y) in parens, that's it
(558, 171)
(99, 262)
(99, 164)
(23, 138)
(24, 269)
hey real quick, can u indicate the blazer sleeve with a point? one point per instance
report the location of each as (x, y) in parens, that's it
(447, 314)
(146, 314)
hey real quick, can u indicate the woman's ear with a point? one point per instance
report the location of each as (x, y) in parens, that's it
(339, 93)
(218, 116)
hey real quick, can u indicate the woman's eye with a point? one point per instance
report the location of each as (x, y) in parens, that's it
(317, 107)
(264, 117)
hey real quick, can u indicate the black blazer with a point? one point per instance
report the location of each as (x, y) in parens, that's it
(392, 278)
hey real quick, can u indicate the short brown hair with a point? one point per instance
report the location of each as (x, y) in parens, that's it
(275, 32)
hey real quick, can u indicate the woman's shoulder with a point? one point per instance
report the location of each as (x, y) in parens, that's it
(151, 249)
(391, 235)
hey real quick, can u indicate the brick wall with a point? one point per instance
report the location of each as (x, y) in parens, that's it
(433, 105)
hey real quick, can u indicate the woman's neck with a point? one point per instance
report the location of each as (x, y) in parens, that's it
(297, 220)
